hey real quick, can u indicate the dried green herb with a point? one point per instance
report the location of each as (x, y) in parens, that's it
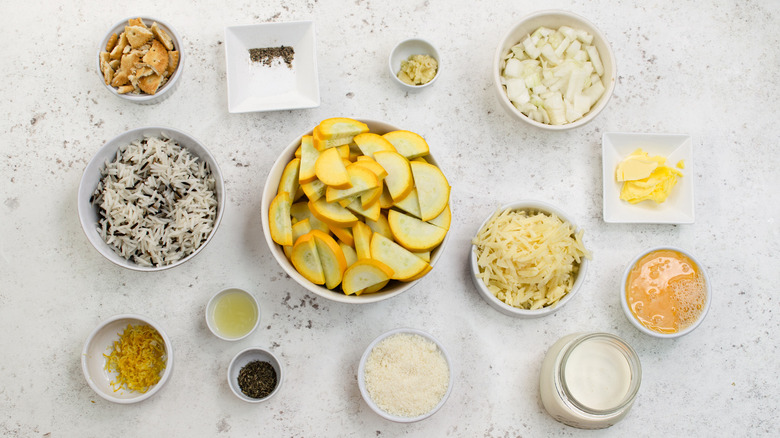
(257, 379)
(267, 55)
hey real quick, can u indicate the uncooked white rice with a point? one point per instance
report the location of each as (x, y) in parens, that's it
(157, 202)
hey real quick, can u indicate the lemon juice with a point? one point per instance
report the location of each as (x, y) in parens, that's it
(234, 314)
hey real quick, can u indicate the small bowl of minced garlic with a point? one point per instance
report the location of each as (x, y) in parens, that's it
(414, 64)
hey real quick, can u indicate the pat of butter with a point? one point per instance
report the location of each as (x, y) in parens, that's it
(646, 178)
(638, 165)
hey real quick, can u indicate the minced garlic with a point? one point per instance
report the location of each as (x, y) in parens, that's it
(418, 70)
(138, 357)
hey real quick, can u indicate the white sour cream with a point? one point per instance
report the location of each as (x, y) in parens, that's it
(589, 380)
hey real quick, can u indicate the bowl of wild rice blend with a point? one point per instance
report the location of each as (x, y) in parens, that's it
(151, 198)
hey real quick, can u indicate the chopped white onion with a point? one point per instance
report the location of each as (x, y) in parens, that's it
(554, 76)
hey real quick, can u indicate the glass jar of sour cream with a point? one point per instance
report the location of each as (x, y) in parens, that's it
(589, 380)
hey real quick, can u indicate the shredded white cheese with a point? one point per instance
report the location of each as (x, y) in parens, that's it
(406, 375)
(528, 260)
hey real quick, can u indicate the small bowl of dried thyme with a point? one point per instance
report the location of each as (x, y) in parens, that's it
(255, 375)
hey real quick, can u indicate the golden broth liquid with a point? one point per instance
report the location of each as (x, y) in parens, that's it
(665, 291)
(235, 314)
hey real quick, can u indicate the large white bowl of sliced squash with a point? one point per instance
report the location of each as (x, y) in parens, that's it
(356, 211)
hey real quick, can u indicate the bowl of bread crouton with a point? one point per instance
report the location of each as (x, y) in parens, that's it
(141, 59)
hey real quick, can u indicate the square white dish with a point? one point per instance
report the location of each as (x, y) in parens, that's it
(678, 207)
(254, 86)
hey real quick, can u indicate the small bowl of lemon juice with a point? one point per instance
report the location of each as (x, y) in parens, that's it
(232, 314)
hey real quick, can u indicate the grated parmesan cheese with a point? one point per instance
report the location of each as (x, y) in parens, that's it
(138, 358)
(528, 260)
(406, 375)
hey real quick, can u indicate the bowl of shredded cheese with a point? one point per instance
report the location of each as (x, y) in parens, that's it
(127, 359)
(528, 259)
(405, 375)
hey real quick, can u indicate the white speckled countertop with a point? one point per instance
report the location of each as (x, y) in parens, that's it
(705, 68)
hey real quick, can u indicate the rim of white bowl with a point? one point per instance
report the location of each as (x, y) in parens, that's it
(210, 309)
(362, 372)
(96, 164)
(157, 386)
(169, 86)
(590, 115)
(274, 361)
(505, 308)
(269, 192)
(636, 323)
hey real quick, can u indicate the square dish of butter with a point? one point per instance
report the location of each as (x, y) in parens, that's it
(632, 155)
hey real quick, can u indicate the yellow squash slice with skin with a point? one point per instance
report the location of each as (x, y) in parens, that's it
(370, 143)
(329, 168)
(279, 222)
(423, 255)
(289, 180)
(363, 274)
(343, 234)
(349, 253)
(408, 144)
(380, 226)
(361, 179)
(300, 228)
(372, 211)
(306, 259)
(375, 288)
(314, 190)
(444, 219)
(332, 213)
(372, 165)
(399, 180)
(404, 264)
(341, 127)
(433, 190)
(414, 234)
(331, 258)
(309, 155)
(300, 211)
(343, 151)
(410, 204)
(422, 273)
(385, 200)
(362, 234)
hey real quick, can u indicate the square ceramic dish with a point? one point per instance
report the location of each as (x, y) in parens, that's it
(678, 207)
(255, 86)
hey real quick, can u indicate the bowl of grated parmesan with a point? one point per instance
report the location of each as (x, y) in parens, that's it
(405, 375)
(528, 259)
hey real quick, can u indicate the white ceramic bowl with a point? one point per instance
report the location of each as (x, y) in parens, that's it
(101, 342)
(168, 88)
(211, 307)
(632, 319)
(514, 311)
(89, 214)
(361, 377)
(269, 192)
(406, 48)
(252, 86)
(554, 19)
(246, 356)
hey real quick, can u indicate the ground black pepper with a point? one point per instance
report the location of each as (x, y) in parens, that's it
(257, 379)
(267, 55)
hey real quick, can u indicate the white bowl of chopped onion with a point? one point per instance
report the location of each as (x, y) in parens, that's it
(151, 198)
(127, 359)
(554, 70)
(522, 283)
